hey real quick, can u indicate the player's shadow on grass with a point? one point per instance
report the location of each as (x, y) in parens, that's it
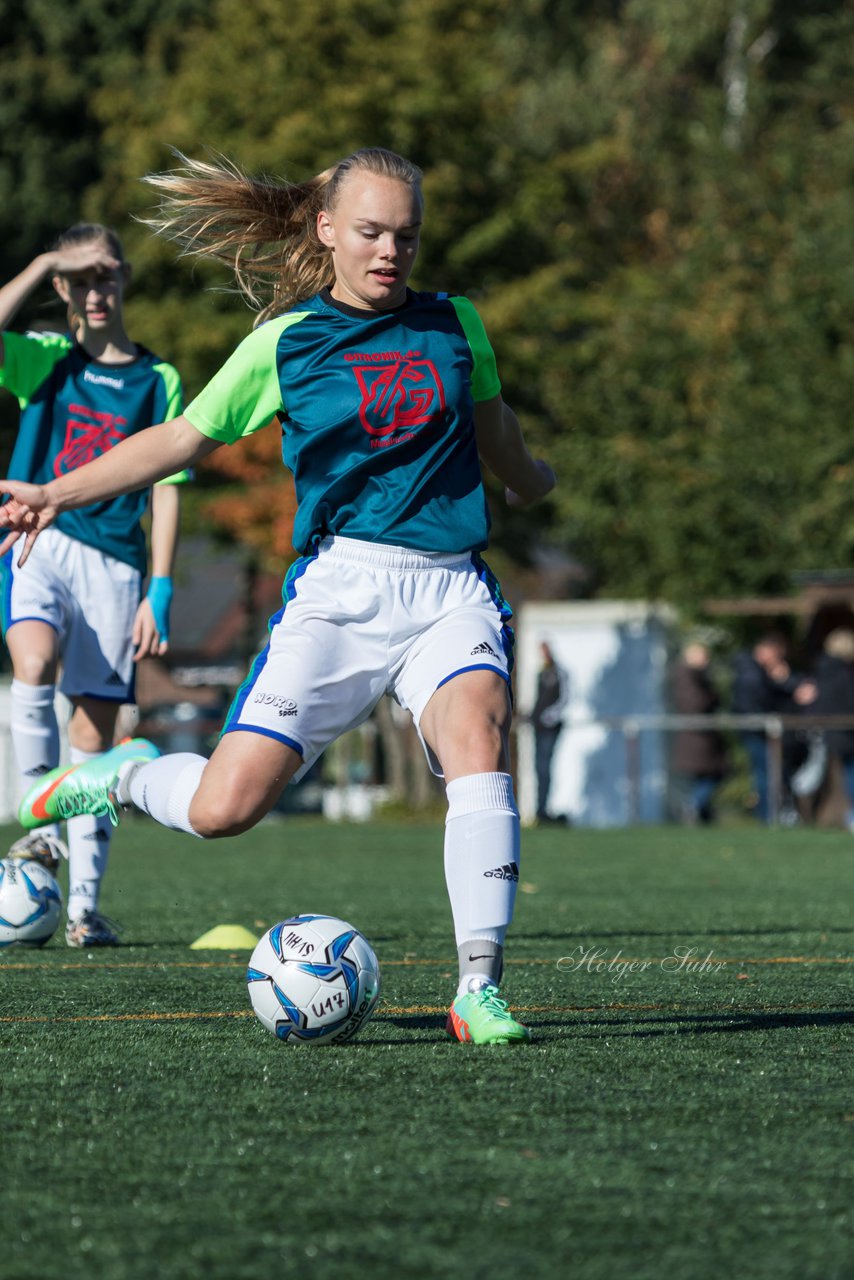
(593, 935)
(714, 1023)
(146, 944)
(408, 1022)
(183, 944)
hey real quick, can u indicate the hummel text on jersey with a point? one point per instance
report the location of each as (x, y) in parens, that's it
(510, 871)
(103, 380)
(369, 357)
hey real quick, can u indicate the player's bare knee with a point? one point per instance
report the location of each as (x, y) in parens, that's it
(214, 816)
(213, 820)
(85, 736)
(217, 828)
(33, 668)
(89, 741)
(475, 747)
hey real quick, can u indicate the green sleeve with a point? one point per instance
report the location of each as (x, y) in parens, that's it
(485, 383)
(245, 394)
(174, 404)
(28, 359)
(172, 390)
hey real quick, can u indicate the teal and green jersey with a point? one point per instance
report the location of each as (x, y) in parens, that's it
(377, 417)
(73, 409)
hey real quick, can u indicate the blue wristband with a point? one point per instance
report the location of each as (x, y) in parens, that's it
(159, 596)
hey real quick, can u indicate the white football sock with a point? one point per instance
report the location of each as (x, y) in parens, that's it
(481, 870)
(35, 735)
(164, 788)
(88, 852)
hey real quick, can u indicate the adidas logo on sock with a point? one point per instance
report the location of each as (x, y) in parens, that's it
(484, 648)
(510, 871)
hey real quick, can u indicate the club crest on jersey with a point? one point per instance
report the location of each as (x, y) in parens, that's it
(88, 434)
(399, 393)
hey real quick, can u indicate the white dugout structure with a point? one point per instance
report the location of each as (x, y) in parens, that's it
(615, 655)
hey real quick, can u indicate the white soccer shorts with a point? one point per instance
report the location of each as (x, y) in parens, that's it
(90, 599)
(362, 619)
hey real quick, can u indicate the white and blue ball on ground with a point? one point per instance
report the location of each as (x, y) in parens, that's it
(30, 903)
(313, 979)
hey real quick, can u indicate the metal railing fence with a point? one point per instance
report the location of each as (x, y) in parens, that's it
(773, 727)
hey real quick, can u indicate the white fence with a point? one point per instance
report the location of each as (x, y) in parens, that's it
(637, 768)
(632, 780)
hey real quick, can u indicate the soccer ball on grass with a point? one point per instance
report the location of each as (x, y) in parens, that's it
(313, 979)
(30, 903)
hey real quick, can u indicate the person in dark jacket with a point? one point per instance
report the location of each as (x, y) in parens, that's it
(547, 720)
(699, 756)
(835, 697)
(765, 684)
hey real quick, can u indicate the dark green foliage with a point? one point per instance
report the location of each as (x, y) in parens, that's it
(651, 203)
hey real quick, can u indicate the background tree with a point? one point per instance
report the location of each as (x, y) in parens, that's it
(649, 201)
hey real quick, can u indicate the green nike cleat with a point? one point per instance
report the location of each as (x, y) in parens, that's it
(83, 788)
(484, 1018)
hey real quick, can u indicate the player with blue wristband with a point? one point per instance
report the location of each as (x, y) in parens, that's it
(159, 597)
(76, 604)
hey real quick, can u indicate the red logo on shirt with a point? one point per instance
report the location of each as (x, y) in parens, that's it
(87, 437)
(398, 393)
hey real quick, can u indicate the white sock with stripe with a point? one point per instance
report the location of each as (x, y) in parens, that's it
(481, 871)
(163, 788)
(88, 852)
(35, 735)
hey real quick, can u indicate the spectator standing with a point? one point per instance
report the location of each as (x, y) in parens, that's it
(765, 684)
(835, 696)
(547, 719)
(699, 755)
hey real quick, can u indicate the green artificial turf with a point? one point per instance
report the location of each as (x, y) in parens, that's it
(685, 1110)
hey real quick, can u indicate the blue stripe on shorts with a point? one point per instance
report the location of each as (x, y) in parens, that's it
(289, 591)
(6, 590)
(493, 586)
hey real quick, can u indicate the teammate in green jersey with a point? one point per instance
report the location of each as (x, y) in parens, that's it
(76, 604)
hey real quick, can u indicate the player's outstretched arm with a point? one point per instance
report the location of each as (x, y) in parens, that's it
(134, 464)
(502, 447)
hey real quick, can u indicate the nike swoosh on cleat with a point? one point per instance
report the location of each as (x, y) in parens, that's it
(38, 805)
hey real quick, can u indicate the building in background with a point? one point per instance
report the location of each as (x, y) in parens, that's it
(615, 654)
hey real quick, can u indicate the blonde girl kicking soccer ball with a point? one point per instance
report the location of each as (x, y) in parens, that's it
(388, 401)
(76, 603)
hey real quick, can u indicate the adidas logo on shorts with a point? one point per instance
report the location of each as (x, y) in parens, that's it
(114, 678)
(484, 648)
(510, 871)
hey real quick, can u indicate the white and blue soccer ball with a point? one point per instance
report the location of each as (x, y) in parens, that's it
(30, 903)
(313, 979)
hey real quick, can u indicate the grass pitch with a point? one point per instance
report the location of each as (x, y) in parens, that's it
(684, 1111)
